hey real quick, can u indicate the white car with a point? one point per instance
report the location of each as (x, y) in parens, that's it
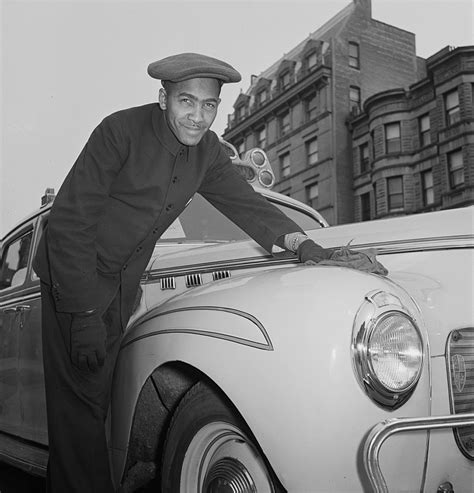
(246, 372)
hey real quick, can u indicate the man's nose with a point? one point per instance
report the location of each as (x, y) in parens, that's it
(196, 115)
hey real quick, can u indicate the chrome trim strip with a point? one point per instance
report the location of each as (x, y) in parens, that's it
(381, 431)
(268, 346)
(383, 248)
(19, 299)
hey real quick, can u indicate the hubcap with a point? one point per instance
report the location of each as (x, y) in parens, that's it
(222, 459)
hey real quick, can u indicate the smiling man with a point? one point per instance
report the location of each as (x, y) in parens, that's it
(133, 178)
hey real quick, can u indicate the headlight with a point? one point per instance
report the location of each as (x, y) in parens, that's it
(387, 350)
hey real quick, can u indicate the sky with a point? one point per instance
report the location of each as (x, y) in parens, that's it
(65, 65)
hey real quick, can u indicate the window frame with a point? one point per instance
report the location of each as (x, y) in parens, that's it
(284, 80)
(310, 154)
(389, 142)
(458, 170)
(355, 103)
(427, 190)
(261, 142)
(390, 194)
(364, 162)
(261, 101)
(284, 129)
(364, 208)
(354, 60)
(285, 169)
(424, 133)
(312, 55)
(310, 111)
(312, 200)
(452, 113)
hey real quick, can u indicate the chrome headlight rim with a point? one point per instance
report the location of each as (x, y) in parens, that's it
(370, 316)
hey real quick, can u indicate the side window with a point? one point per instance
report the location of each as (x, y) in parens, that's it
(15, 261)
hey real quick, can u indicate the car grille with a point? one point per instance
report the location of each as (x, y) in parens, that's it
(460, 363)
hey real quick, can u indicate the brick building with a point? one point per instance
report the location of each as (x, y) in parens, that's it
(413, 149)
(298, 109)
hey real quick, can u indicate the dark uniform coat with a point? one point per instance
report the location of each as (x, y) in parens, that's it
(130, 182)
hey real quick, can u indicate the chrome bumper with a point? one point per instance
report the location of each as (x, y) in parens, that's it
(381, 431)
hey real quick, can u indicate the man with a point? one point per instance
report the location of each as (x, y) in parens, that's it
(134, 176)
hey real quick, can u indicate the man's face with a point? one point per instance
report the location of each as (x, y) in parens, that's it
(190, 107)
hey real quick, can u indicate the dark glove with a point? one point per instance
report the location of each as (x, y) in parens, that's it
(88, 340)
(363, 260)
(310, 253)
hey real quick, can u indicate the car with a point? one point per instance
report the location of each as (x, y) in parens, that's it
(248, 372)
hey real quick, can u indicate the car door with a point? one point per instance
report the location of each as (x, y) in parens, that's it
(15, 254)
(31, 374)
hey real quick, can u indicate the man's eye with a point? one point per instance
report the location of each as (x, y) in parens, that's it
(186, 101)
(210, 106)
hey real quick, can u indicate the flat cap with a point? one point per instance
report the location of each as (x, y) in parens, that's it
(184, 66)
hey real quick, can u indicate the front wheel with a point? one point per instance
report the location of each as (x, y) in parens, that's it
(208, 451)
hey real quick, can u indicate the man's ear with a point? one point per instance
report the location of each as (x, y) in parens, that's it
(162, 99)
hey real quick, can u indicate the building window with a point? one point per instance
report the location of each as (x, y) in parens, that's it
(285, 165)
(372, 141)
(284, 123)
(262, 137)
(354, 55)
(284, 80)
(395, 193)
(241, 148)
(354, 98)
(312, 151)
(456, 169)
(424, 126)
(364, 157)
(261, 97)
(240, 112)
(427, 187)
(310, 107)
(311, 60)
(453, 112)
(312, 194)
(365, 206)
(392, 138)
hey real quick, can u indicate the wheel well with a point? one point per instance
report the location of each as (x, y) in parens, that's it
(158, 399)
(160, 396)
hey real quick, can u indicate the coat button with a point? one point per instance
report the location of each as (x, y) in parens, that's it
(139, 249)
(175, 179)
(155, 231)
(125, 267)
(169, 207)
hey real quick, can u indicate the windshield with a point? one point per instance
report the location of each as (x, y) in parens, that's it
(201, 221)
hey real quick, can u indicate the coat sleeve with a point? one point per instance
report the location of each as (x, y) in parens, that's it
(72, 225)
(230, 193)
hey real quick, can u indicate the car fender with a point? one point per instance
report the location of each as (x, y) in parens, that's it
(238, 331)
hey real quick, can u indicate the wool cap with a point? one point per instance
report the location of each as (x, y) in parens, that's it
(184, 66)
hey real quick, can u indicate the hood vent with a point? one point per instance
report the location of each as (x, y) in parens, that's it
(167, 283)
(193, 280)
(220, 274)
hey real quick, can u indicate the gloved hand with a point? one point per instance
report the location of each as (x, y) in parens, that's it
(364, 260)
(88, 340)
(310, 253)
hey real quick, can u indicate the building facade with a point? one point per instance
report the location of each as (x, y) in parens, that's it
(299, 110)
(413, 149)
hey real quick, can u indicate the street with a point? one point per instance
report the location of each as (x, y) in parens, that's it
(15, 481)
